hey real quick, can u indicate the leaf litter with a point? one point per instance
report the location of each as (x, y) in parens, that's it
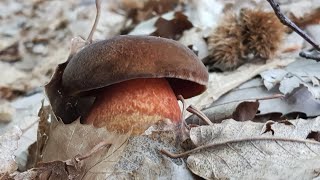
(27, 41)
(237, 153)
(127, 157)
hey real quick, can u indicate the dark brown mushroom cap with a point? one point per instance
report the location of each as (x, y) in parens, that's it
(129, 57)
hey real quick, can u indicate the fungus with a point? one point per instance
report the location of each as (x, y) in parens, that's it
(135, 80)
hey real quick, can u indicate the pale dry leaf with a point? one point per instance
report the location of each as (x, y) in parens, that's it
(8, 145)
(147, 27)
(142, 159)
(204, 14)
(221, 83)
(299, 169)
(16, 80)
(194, 38)
(233, 160)
(314, 32)
(6, 111)
(83, 16)
(10, 75)
(301, 72)
(292, 43)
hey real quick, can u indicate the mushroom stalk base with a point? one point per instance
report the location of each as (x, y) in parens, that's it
(134, 105)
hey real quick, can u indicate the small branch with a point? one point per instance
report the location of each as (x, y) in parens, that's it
(286, 21)
(94, 27)
(275, 96)
(200, 114)
(212, 145)
(180, 98)
(95, 149)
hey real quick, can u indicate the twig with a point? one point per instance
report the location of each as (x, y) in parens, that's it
(275, 96)
(94, 27)
(180, 98)
(212, 145)
(286, 21)
(200, 114)
(95, 149)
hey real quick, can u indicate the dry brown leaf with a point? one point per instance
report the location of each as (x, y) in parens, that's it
(10, 53)
(146, 9)
(172, 29)
(8, 145)
(250, 157)
(70, 169)
(75, 138)
(135, 157)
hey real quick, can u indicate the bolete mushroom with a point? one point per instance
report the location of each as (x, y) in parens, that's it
(135, 80)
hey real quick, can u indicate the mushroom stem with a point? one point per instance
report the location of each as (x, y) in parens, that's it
(134, 105)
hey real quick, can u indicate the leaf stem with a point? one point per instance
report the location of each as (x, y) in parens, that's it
(200, 114)
(94, 27)
(212, 145)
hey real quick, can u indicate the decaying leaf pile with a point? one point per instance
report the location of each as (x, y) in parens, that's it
(262, 100)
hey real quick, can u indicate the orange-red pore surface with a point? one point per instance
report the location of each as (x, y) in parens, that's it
(134, 105)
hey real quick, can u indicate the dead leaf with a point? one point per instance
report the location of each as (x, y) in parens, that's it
(143, 10)
(133, 157)
(301, 72)
(194, 37)
(314, 135)
(221, 83)
(6, 111)
(248, 157)
(309, 18)
(239, 111)
(173, 28)
(75, 138)
(70, 169)
(8, 145)
(204, 14)
(10, 53)
(170, 25)
(299, 101)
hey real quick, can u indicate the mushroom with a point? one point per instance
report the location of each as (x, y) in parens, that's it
(135, 81)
